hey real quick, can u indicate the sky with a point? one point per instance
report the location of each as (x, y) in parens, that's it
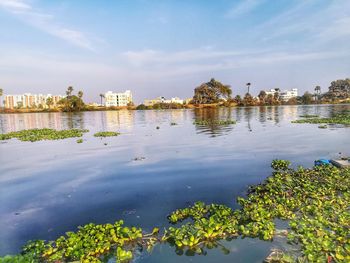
(167, 48)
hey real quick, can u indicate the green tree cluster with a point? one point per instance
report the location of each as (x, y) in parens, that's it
(211, 92)
(72, 102)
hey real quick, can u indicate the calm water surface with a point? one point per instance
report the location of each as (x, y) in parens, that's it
(50, 187)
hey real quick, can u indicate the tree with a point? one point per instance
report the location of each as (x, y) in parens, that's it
(102, 96)
(69, 91)
(306, 98)
(248, 86)
(49, 102)
(262, 96)
(338, 90)
(80, 101)
(211, 92)
(72, 102)
(238, 99)
(248, 100)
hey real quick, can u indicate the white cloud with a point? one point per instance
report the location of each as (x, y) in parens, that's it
(243, 8)
(46, 23)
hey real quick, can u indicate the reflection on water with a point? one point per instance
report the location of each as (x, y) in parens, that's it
(112, 120)
(181, 164)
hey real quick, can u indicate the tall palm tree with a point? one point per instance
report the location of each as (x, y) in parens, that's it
(317, 92)
(102, 96)
(248, 86)
(69, 91)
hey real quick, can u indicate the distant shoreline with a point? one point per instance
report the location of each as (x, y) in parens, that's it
(133, 108)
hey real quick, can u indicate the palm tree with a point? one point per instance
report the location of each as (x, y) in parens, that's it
(248, 86)
(317, 92)
(102, 96)
(69, 91)
(80, 94)
(49, 102)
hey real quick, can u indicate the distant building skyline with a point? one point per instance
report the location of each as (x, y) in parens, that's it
(28, 100)
(171, 47)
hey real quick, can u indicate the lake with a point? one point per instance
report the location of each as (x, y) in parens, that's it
(50, 187)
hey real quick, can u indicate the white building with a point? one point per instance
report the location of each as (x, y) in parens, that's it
(284, 95)
(28, 100)
(118, 99)
(288, 94)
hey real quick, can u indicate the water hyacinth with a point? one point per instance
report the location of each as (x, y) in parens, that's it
(313, 202)
(337, 119)
(34, 135)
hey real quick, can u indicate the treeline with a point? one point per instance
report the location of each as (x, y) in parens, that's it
(214, 92)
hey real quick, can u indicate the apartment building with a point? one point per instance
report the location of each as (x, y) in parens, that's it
(28, 100)
(118, 99)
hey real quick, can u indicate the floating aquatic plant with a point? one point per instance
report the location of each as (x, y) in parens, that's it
(315, 202)
(33, 135)
(337, 119)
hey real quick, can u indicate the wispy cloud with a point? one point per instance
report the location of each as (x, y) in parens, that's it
(207, 60)
(45, 22)
(242, 8)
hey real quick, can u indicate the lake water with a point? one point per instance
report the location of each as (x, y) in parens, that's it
(50, 187)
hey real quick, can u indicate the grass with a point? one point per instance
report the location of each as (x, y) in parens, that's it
(312, 201)
(106, 134)
(337, 119)
(34, 135)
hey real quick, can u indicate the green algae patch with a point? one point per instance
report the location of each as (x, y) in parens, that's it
(34, 135)
(106, 134)
(314, 202)
(337, 119)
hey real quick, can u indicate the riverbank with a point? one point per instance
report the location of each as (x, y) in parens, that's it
(132, 108)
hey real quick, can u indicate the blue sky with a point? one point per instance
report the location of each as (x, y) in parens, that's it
(169, 47)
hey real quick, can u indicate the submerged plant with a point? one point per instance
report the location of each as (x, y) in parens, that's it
(106, 134)
(214, 122)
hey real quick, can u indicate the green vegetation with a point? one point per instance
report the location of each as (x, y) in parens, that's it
(80, 141)
(214, 122)
(71, 102)
(106, 134)
(211, 92)
(34, 135)
(312, 201)
(337, 119)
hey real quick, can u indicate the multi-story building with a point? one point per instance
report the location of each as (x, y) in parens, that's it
(284, 95)
(288, 94)
(28, 100)
(118, 99)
